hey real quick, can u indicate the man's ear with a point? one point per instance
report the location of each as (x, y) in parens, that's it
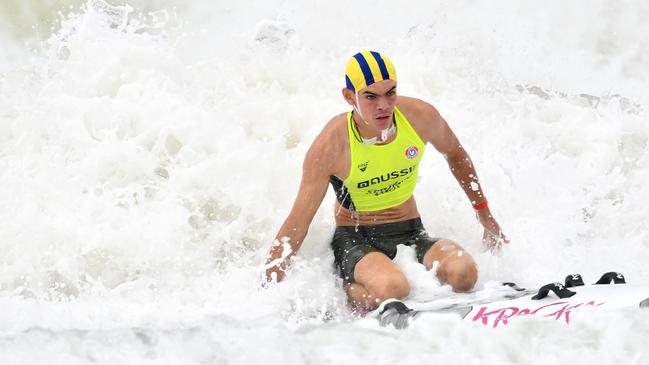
(349, 95)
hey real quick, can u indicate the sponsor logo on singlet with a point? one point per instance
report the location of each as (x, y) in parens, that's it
(412, 152)
(386, 177)
(363, 166)
(392, 187)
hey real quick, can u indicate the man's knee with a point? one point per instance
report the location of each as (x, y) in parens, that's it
(393, 286)
(382, 279)
(460, 273)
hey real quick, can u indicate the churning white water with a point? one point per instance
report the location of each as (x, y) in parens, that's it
(149, 152)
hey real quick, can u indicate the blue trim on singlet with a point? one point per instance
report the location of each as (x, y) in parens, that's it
(343, 196)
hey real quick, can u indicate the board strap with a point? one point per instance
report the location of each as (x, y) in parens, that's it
(557, 288)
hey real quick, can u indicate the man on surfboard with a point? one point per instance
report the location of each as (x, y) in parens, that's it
(370, 156)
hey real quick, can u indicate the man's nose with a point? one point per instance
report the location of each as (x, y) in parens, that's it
(383, 104)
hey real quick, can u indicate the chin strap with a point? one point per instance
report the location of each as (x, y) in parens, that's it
(357, 107)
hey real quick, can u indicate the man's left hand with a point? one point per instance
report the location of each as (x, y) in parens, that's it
(493, 237)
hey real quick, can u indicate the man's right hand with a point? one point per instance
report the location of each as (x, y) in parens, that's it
(278, 260)
(273, 275)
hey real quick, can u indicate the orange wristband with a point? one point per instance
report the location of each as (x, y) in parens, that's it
(482, 205)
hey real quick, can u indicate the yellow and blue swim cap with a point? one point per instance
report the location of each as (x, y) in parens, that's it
(367, 67)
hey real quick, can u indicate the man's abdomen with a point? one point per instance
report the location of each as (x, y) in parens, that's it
(405, 211)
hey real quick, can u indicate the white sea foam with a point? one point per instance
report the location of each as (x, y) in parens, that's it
(148, 155)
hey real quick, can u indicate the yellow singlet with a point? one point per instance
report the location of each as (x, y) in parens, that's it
(381, 176)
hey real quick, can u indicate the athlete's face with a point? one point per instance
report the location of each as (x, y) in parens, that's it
(376, 103)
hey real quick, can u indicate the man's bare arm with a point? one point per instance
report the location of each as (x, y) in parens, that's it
(316, 170)
(440, 135)
(459, 161)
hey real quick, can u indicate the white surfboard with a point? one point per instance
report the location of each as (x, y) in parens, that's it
(513, 304)
(588, 297)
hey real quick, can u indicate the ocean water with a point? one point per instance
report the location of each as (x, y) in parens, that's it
(150, 150)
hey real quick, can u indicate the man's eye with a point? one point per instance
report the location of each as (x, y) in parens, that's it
(370, 97)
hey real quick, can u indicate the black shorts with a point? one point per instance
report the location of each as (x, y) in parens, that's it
(352, 243)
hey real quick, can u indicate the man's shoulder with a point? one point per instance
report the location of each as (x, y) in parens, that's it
(338, 121)
(333, 136)
(422, 116)
(334, 129)
(328, 149)
(415, 107)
